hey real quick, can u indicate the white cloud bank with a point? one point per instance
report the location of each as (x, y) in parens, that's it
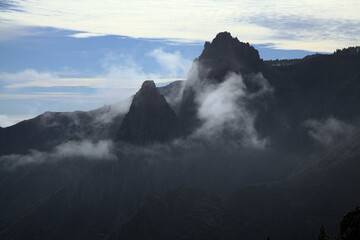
(194, 20)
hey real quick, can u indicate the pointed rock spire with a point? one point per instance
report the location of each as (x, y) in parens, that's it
(150, 118)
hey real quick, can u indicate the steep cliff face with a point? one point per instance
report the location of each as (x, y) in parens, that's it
(150, 118)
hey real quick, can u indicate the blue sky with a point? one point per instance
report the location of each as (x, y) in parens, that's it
(79, 55)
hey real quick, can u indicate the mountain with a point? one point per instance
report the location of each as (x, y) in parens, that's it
(150, 118)
(243, 149)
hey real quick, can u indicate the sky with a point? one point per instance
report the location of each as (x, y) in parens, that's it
(79, 55)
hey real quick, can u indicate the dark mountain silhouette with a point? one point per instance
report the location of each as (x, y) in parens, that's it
(307, 175)
(150, 118)
(225, 54)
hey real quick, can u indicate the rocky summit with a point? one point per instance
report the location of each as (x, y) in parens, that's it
(227, 54)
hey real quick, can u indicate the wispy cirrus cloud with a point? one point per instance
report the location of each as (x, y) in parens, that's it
(309, 32)
(33, 78)
(332, 22)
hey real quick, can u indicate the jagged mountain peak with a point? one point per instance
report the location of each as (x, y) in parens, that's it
(150, 118)
(226, 53)
(147, 92)
(148, 87)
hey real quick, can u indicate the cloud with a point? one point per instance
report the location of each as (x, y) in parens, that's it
(123, 72)
(309, 32)
(120, 72)
(101, 150)
(328, 131)
(189, 20)
(223, 110)
(33, 78)
(10, 30)
(174, 63)
(122, 77)
(86, 35)
(113, 111)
